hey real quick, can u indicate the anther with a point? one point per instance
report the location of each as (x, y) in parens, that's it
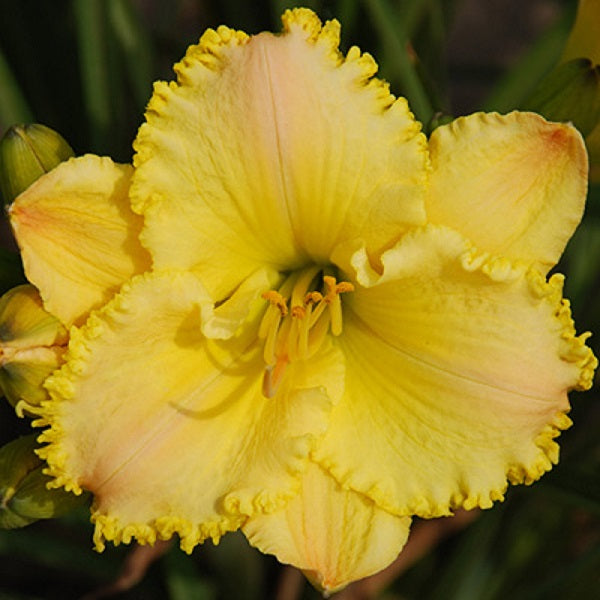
(298, 312)
(344, 286)
(277, 300)
(313, 298)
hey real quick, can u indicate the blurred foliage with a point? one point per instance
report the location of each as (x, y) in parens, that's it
(571, 92)
(85, 68)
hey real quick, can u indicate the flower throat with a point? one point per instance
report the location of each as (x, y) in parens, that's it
(298, 319)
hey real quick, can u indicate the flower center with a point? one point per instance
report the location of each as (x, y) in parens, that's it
(298, 319)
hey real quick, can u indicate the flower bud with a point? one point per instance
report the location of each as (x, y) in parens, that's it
(26, 153)
(24, 496)
(32, 343)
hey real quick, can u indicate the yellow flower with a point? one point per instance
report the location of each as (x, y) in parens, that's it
(344, 325)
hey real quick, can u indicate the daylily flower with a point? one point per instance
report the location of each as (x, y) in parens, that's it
(344, 324)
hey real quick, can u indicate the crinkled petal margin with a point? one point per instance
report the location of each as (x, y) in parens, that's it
(458, 366)
(270, 150)
(169, 429)
(514, 184)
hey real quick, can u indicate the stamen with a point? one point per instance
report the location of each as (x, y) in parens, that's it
(317, 335)
(330, 283)
(304, 330)
(297, 333)
(271, 341)
(302, 285)
(335, 312)
(277, 300)
(313, 297)
(298, 312)
(282, 348)
(344, 286)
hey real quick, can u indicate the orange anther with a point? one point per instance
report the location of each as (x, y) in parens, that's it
(343, 287)
(299, 312)
(313, 298)
(276, 299)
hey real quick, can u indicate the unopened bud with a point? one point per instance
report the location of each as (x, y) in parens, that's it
(24, 496)
(26, 153)
(32, 343)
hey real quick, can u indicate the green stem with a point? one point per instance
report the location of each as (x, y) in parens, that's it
(136, 48)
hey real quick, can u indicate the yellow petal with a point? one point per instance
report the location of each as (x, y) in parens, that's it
(228, 316)
(335, 536)
(78, 236)
(169, 430)
(457, 372)
(515, 185)
(271, 150)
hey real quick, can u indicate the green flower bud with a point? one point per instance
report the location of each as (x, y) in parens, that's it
(26, 153)
(571, 92)
(24, 496)
(32, 343)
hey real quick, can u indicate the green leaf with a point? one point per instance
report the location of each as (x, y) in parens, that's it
(183, 579)
(278, 7)
(233, 549)
(136, 48)
(579, 486)
(90, 24)
(578, 578)
(581, 262)
(571, 92)
(347, 13)
(394, 30)
(40, 545)
(13, 106)
(470, 573)
(519, 81)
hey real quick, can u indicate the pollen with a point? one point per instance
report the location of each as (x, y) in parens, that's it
(277, 300)
(297, 321)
